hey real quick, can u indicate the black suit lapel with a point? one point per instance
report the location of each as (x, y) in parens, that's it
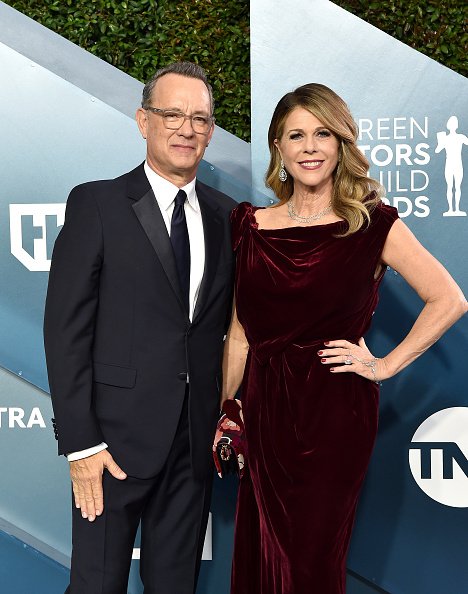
(213, 232)
(150, 217)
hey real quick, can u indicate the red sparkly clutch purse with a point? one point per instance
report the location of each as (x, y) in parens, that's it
(229, 448)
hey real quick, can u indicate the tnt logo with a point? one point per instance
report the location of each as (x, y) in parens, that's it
(37, 225)
(438, 456)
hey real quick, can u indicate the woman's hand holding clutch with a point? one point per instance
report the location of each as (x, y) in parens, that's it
(229, 443)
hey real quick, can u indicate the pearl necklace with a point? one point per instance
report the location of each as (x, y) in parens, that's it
(293, 214)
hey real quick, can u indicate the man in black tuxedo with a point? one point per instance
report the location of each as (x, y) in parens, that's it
(138, 303)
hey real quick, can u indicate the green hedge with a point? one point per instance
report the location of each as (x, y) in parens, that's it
(436, 28)
(138, 36)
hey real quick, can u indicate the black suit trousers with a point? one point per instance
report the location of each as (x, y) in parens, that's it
(173, 508)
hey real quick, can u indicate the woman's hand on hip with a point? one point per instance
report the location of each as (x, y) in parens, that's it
(346, 357)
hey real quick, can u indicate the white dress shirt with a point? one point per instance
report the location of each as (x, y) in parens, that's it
(165, 193)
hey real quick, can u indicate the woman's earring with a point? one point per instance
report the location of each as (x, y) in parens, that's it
(283, 175)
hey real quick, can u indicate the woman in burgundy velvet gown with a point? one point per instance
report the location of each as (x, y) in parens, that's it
(308, 272)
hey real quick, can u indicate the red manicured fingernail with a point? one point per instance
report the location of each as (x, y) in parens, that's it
(320, 353)
(332, 369)
(326, 342)
(323, 360)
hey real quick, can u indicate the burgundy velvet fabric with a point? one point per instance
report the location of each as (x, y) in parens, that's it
(309, 432)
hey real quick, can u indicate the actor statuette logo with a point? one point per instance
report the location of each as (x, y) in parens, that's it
(438, 456)
(452, 143)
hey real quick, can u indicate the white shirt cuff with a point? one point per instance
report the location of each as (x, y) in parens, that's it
(85, 453)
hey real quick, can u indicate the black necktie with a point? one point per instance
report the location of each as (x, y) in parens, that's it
(181, 245)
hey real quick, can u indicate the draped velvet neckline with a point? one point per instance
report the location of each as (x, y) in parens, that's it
(254, 223)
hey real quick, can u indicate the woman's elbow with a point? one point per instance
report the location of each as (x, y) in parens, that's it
(457, 305)
(463, 306)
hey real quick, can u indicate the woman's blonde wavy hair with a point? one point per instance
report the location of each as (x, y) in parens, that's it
(354, 193)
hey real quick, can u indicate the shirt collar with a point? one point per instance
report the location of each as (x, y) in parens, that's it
(165, 191)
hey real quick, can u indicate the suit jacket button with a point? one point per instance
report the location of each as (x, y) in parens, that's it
(182, 376)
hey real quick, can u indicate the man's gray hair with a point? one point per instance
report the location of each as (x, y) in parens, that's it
(188, 69)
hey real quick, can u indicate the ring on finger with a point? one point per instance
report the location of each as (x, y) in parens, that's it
(348, 360)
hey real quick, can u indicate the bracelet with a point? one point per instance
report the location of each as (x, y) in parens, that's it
(371, 364)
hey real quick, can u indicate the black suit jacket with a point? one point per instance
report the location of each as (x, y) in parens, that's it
(119, 343)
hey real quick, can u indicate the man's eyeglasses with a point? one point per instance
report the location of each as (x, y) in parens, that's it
(173, 120)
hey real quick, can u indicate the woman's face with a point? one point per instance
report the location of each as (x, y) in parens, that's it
(309, 150)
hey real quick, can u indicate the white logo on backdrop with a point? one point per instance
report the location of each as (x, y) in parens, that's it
(39, 260)
(401, 148)
(14, 416)
(438, 456)
(452, 143)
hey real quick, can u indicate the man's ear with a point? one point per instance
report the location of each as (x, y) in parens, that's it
(209, 136)
(141, 117)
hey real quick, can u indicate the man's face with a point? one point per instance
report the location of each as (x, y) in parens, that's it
(175, 154)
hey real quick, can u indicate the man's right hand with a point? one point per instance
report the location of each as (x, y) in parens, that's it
(86, 475)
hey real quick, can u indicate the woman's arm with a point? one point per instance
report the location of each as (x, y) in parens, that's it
(236, 349)
(443, 299)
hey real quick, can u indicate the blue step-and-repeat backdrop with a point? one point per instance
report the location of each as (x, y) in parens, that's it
(67, 118)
